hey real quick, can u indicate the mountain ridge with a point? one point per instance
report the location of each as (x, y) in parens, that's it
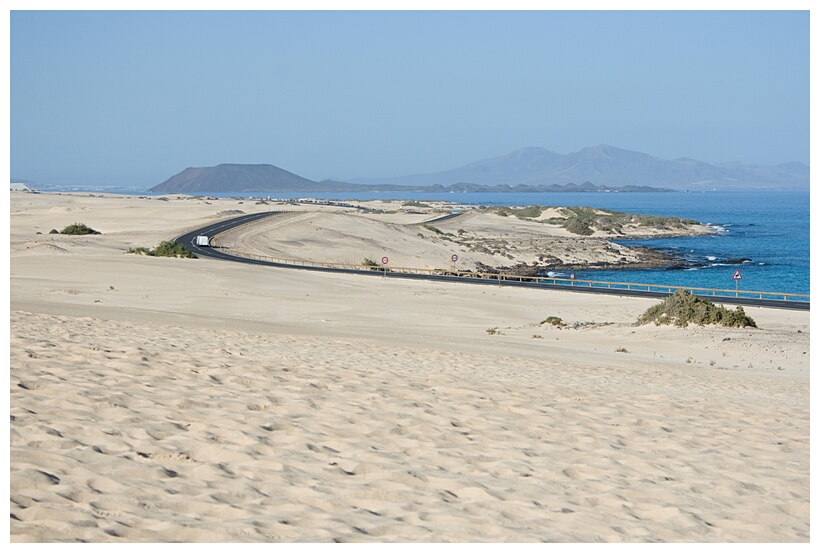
(532, 169)
(610, 166)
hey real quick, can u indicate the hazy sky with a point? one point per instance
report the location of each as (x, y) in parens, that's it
(132, 98)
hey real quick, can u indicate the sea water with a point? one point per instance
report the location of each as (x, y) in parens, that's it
(768, 229)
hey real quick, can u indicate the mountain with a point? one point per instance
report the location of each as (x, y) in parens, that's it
(612, 167)
(268, 178)
(246, 178)
(526, 170)
(233, 177)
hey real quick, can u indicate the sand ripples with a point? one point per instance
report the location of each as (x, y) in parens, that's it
(128, 432)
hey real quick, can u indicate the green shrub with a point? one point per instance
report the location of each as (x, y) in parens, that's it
(578, 226)
(165, 249)
(78, 228)
(173, 249)
(554, 321)
(682, 308)
(530, 212)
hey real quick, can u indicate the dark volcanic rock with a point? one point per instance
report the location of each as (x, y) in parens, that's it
(232, 177)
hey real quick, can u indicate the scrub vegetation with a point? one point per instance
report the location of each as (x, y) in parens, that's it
(165, 249)
(79, 229)
(585, 221)
(682, 308)
(554, 321)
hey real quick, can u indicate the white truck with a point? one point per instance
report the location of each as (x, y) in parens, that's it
(202, 240)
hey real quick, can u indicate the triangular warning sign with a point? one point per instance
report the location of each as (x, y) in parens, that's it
(737, 276)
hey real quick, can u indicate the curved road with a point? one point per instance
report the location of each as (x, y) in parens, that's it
(212, 230)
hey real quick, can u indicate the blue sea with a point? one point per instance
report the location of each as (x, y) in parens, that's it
(769, 229)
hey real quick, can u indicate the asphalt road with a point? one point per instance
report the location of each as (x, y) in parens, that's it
(188, 240)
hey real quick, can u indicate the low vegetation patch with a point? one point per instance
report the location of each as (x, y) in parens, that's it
(529, 212)
(585, 221)
(578, 226)
(682, 308)
(554, 321)
(165, 249)
(78, 229)
(370, 264)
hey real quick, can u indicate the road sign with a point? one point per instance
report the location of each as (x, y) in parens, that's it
(736, 277)
(454, 257)
(385, 260)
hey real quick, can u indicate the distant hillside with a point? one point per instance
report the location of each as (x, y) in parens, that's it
(228, 178)
(524, 170)
(611, 167)
(233, 177)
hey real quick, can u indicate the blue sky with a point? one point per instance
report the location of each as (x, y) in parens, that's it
(132, 98)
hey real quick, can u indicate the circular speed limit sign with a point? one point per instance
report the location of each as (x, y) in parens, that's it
(454, 258)
(385, 260)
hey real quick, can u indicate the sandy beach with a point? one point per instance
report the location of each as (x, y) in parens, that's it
(195, 400)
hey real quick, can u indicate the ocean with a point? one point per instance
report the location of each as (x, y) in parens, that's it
(769, 230)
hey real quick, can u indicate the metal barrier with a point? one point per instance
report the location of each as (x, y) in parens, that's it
(660, 288)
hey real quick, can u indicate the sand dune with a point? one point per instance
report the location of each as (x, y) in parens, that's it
(417, 240)
(157, 400)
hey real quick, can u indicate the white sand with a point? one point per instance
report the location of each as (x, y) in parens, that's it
(412, 238)
(164, 400)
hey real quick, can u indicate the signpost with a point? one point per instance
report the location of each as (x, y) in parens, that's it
(384, 262)
(737, 278)
(454, 257)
